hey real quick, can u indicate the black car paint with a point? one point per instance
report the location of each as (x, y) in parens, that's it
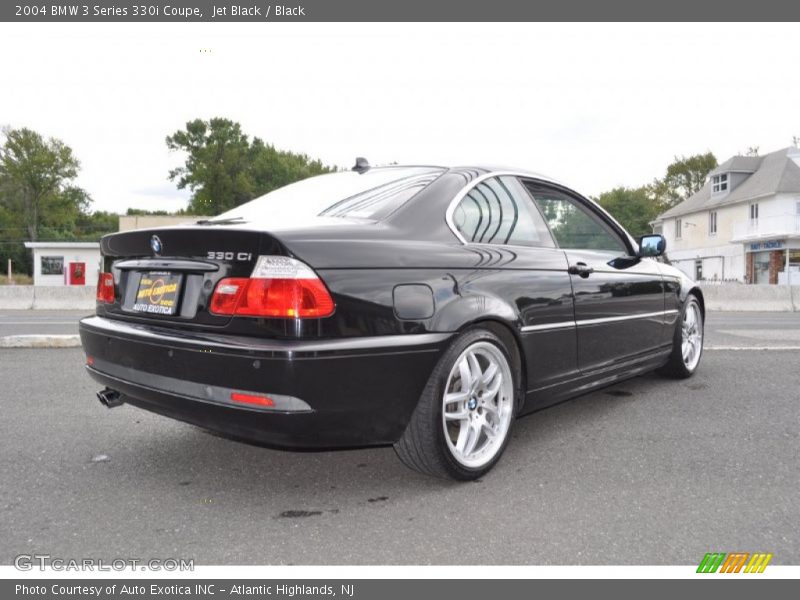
(365, 395)
(362, 390)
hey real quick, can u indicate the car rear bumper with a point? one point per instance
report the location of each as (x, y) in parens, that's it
(328, 393)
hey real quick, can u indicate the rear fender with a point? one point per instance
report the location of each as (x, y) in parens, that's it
(459, 311)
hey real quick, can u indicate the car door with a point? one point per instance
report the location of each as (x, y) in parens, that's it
(520, 264)
(619, 298)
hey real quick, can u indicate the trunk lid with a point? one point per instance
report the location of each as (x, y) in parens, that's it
(167, 276)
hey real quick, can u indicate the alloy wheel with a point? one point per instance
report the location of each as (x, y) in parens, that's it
(692, 335)
(478, 404)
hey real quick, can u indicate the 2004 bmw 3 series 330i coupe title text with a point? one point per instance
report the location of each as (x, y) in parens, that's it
(423, 307)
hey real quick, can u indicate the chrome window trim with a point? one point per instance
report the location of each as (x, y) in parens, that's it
(451, 208)
(582, 322)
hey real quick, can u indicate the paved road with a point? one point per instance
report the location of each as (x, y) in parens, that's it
(651, 471)
(745, 329)
(40, 322)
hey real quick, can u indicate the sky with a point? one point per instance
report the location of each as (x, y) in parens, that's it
(593, 105)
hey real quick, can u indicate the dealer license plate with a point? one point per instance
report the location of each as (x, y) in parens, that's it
(158, 293)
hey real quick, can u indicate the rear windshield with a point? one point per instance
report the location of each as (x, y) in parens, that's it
(371, 195)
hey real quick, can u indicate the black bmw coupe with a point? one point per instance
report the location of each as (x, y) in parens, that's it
(416, 306)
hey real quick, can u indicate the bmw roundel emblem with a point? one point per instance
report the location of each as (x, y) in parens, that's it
(156, 245)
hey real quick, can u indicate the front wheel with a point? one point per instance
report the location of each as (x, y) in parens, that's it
(687, 343)
(462, 422)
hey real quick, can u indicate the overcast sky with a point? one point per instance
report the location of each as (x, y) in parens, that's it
(593, 105)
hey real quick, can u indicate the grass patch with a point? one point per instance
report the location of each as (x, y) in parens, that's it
(19, 279)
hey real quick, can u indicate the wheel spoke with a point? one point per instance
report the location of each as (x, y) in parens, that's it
(491, 392)
(463, 434)
(474, 367)
(489, 431)
(489, 374)
(490, 407)
(456, 397)
(472, 442)
(466, 376)
(458, 415)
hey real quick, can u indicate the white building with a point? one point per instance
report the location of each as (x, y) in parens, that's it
(131, 222)
(743, 225)
(65, 263)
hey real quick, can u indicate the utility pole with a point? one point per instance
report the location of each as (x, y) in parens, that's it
(10, 276)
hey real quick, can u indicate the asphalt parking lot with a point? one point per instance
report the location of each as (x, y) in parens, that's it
(40, 322)
(651, 471)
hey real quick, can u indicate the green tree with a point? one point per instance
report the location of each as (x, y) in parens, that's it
(91, 227)
(37, 176)
(217, 164)
(634, 208)
(272, 168)
(39, 199)
(12, 232)
(141, 212)
(685, 176)
(224, 169)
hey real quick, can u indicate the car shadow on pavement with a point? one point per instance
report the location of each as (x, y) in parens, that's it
(190, 458)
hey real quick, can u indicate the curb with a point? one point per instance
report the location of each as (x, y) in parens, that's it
(40, 341)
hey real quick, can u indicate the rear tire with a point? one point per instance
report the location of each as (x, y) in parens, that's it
(687, 342)
(462, 423)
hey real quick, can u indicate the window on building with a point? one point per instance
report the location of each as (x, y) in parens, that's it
(678, 227)
(754, 212)
(712, 223)
(52, 265)
(794, 266)
(719, 183)
(500, 211)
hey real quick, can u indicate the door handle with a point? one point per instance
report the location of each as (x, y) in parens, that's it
(581, 269)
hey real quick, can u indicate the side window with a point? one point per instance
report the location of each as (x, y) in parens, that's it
(572, 225)
(500, 211)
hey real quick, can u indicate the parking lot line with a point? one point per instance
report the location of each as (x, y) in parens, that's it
(735, 348)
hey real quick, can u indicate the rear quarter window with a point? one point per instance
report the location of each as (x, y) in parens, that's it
(500, 211)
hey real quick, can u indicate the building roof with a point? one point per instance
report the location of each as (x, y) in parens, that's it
(66, 245)
(739, 164)
(773, 173)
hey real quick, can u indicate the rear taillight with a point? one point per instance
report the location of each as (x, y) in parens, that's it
(278, 287)
(105, 288)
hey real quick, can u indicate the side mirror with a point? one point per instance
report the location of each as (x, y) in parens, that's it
(652, 245)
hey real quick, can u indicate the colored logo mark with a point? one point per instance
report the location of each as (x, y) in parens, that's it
(735, 562)
(156, 245)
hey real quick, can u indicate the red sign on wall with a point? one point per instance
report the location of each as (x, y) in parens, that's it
(77, 273)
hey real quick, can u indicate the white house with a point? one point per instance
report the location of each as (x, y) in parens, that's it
(131, 222)
(743, 225)
(65, 263)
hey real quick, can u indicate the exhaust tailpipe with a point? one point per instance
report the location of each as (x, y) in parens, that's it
(110, 398)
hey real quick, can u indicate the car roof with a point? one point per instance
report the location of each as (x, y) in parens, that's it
(472, 171)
